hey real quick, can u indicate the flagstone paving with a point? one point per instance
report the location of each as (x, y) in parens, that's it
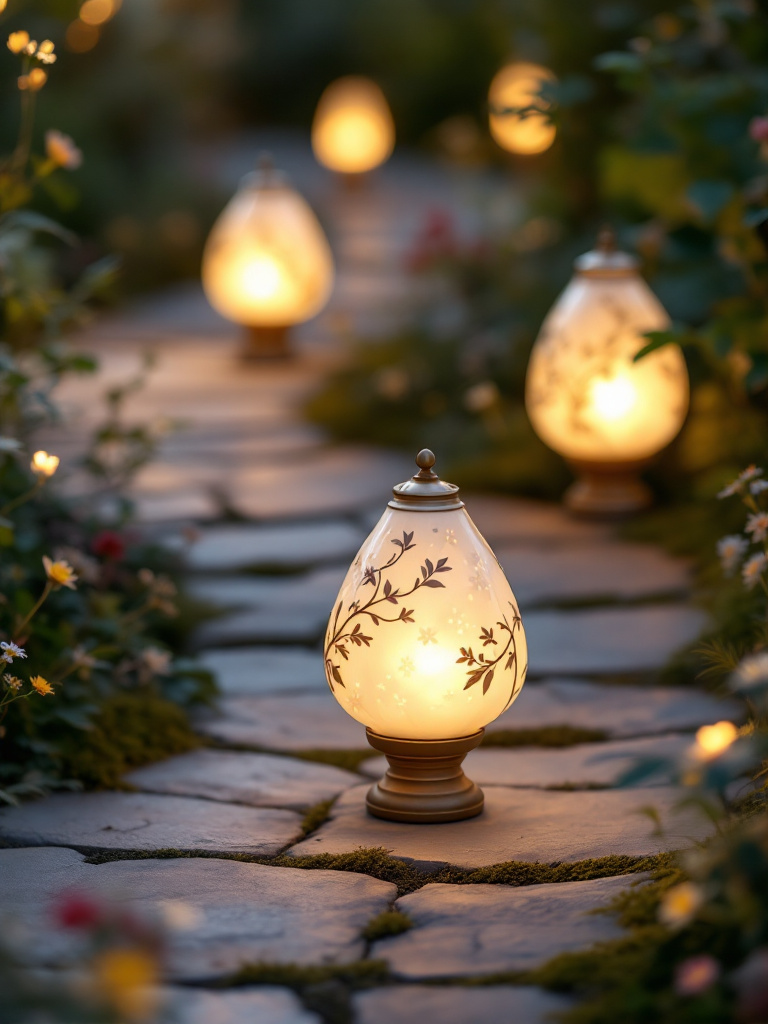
(277, 514)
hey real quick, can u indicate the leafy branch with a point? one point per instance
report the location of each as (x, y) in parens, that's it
(483, 668)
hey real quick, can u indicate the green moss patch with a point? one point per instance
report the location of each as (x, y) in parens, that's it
(548, 736)
(388, 922)
(358, 974)
(130, 730)
(315, 817)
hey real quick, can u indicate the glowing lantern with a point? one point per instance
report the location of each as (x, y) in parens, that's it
(588, 400)
(267, 264)
(353, 130)
(425, 647)
(513, 89)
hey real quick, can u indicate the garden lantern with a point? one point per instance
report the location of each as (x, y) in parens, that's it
(353, 130)
(425, 647)
(267, 264)
(514, 88)
(587, 399)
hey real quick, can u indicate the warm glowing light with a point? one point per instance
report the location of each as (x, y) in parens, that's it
(425, 641)
(614, 398)
(96, 12)
(713, 740)
(80, 37)
(516, 87)
(353, 130)
(585, 396)
(267, 261)
(44, 464)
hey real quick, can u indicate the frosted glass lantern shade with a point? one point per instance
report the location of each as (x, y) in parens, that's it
(425, 640)
(353, 130)
(267, 262)
(518, 86)
(585, 397)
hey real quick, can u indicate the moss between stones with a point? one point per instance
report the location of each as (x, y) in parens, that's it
(359, 973)
(347, 759)
(548, 736)
(315, 817)
(377, 863)
(130, 730)
(388, 922)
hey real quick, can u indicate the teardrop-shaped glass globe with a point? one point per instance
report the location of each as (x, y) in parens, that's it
(353, 130)
(585, 396)
(267, 262)
(425, 640)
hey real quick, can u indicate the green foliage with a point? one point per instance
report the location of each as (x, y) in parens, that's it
(315, 817)
(388, 922)
(129, 730)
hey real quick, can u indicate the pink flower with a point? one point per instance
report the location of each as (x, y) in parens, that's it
(696, 975)
(758, 129)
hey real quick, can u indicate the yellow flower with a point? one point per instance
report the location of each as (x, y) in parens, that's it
(61, 150)
(34, 81)
(46, 46)
(17, 41)
(3, 5)
(60, 573)
(127, 979)
(42, 686)
(44, 464)
(30, 48)
(13, 683)
(680, 904)
(713, 740)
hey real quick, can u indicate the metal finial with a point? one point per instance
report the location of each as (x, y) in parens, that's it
(425, 460)
(606, 239)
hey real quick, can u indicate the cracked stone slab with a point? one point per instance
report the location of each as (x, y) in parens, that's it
(461, 930)
(237, 913)
(335, 480)
(581, 766)
(609, 570)
(415, 1004)
(268, 608)
(257, 780)
(141, 821)
(232, 547)
(608, 640)
(518, 824)
(302, 722)
(618, 710)
(244, 671)
(244, 1006)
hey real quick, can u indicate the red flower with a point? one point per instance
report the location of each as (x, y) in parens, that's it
(76, 910)
(108, 544)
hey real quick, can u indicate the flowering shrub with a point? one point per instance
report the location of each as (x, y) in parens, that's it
(89, 684)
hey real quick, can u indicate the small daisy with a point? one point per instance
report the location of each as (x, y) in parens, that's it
(751, 672)
(730, 551)
(753, 569)
(758, 486)
(736, 486)
(42, 686)
(13, 683)
(681, 904)
(757, 525)
(60, 573)
(11, 650)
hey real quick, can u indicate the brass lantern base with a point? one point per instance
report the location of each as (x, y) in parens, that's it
(608, 490)
(266, 343)
(425, 781)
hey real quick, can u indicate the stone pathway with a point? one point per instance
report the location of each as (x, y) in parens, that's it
(278, 515)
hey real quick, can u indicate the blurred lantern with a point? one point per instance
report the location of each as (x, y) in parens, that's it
(425, 646)
(513, 125)
(267, 264)
(588, 400)
(353, 130)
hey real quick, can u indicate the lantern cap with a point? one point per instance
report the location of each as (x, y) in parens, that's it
(605, 260)
(266, 175)
(425, 491)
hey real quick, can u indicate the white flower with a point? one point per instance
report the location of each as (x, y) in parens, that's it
(44, 464)
(736, 486)
(730, 550)
(481, 397)
(9, 444)
(757, 525)
(753, 569)
(11, 650)
(751, 672)
(156, 662)
(758, 486)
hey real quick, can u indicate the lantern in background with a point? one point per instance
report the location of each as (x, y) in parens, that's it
(267, 264)
(588, 400)
(353, 130)
(425, 646)
(514, 88)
